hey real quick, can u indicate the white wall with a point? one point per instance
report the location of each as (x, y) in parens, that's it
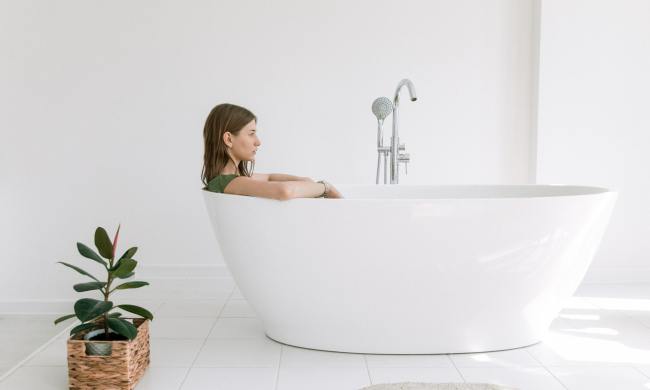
(102, 106)
(594, 121)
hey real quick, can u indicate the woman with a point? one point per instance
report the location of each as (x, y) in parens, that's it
(230, 144)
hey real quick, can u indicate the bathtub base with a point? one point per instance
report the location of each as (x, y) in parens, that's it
(420, 350)
(410, 345)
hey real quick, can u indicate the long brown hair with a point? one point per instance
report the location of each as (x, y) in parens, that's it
(223, 118)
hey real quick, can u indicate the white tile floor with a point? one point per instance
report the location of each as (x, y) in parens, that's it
(20, 335)
(600, 340)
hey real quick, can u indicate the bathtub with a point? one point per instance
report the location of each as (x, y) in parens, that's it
(411, 269)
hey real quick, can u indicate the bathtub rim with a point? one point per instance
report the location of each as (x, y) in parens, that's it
(587, 191)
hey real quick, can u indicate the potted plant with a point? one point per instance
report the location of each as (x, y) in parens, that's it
(104, 335)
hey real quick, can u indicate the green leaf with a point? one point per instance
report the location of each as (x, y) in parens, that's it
(129, 253)
(80, 287)
(134, 284)
(137, 310)
(64, 318)
(126, 266)
(123, 327)
(90, 254)
(116, 314)
(115, 266)
(78, 270)
(88, 308)
(103, 243)
(81, 327)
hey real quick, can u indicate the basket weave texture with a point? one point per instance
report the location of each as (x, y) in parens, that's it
(120, 371)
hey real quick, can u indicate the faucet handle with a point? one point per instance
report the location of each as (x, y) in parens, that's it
(405, 158)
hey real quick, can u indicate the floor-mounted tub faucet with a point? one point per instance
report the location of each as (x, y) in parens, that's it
(395, 147)
(382, 108)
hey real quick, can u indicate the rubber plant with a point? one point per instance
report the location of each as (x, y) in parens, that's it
(97, 314)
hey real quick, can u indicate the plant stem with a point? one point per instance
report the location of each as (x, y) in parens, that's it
(106, 294)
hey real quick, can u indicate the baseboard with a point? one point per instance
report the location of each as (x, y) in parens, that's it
(183, 271)
(167, 281)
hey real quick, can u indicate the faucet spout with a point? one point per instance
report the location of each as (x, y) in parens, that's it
(395, 146)
(411, 88)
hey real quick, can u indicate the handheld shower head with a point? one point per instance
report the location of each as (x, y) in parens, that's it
(382, 107)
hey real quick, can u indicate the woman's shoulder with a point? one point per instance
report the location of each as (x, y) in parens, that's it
(219, 182)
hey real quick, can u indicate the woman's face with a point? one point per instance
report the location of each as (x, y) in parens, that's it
(246, 143)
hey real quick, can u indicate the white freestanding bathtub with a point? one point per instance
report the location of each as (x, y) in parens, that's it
(411, 269)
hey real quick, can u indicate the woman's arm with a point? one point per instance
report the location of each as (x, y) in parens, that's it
(284, 190)
(303, 189)
(283, 177)
(249, 186)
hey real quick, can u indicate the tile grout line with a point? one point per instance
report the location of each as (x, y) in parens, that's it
(37, 351)
(277, 374)
(599, 307)
(365, 359)
(642, 373)
(637, 320)
(547, 369)
(456, 367)
(206, 338)
(602, 308)
(622, 315)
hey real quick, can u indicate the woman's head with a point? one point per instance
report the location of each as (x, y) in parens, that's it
(230, 141)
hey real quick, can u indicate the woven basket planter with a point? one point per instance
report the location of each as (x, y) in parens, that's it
(120, 371)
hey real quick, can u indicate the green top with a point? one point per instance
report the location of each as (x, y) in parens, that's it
(219, 183)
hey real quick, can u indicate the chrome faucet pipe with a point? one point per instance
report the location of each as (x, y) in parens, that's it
(380, 143)
(395, 147)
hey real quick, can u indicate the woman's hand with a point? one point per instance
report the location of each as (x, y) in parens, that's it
(333, 193)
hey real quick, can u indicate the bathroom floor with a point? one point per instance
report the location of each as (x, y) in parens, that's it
(600, 340)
